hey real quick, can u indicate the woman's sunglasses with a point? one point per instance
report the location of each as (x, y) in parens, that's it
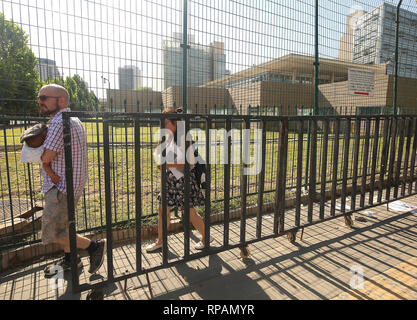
(177, 111)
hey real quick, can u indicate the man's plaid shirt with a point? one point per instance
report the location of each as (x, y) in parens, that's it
(54, 141)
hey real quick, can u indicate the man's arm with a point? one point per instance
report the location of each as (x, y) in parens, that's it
(48, 170)
(48, 156)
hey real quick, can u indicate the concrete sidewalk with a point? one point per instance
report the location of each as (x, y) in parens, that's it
(381, 248)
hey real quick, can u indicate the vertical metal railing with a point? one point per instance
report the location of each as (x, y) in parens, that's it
(335, 132)
(138, 195)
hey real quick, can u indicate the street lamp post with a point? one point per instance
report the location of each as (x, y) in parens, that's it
(108, 93)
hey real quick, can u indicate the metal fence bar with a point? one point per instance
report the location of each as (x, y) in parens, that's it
(384, 153)
(208, 188)
(138, 197)
(324, 165)
(261, 183)
(99, 170)
(279, 217)
(335, 166)
(299, 171)
(391, 158)
(187, 179)
(70, 200)
(164, 214)
(406, 157)
(399, 157)
(278, 181)
(365, 158)
(227, 153)
(245, 151)
(127, 168)
(413, 158)
(355, 162)
(284, 175)
(345, 164)
(8, 181)
(313, 166)
(374, 160)
(108, 201)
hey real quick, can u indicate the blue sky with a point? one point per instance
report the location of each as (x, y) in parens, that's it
(93, 38)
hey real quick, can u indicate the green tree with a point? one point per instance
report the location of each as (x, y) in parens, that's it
(81, 98)
(19, 78)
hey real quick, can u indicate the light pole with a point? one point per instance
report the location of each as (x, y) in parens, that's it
(108, 93)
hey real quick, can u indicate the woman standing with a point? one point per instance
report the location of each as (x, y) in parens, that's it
(175, 182)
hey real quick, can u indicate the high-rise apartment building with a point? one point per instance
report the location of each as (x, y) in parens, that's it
(204, 63)
(130, 78)
(374, 39)
(346, 43)
(47, 69)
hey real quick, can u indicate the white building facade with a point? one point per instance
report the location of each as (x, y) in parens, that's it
(130, 78)
(47, 69)
(204, 63)
(374, 40)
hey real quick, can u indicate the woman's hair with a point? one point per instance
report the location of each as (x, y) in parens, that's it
(178, 111)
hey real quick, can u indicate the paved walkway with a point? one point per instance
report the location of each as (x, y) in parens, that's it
(376, 259)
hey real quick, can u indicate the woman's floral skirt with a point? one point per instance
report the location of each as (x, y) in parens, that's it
(175, 192)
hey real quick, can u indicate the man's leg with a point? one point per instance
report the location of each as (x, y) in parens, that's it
(96, 250)
(58, 231)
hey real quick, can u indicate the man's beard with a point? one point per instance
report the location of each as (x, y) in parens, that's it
(49, 112)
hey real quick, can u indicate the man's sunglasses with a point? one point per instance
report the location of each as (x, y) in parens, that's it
(44, 98)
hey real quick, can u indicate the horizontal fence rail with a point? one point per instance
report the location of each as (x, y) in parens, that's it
(356, 163)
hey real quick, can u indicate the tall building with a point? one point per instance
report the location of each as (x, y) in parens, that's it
(204, 63)
(47, 69)
(374, 39)
(130, 78)
(346, 43)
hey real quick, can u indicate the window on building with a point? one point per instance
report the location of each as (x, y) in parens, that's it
(280, 78)
(369, 110)
(326, 111)
(305, 111)
(303, 80)
(222, 110)
(324, 81)
(253, 110)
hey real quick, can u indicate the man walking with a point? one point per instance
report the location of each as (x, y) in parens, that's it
(53, 100)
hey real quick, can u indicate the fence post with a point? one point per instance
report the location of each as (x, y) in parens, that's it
(127, 160)
(397, 27)
(70, 200)
(316, 58)
(308, 149)
(184, 46)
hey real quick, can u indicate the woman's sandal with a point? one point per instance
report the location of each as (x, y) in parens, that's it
(200, 244)
(153, 247)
